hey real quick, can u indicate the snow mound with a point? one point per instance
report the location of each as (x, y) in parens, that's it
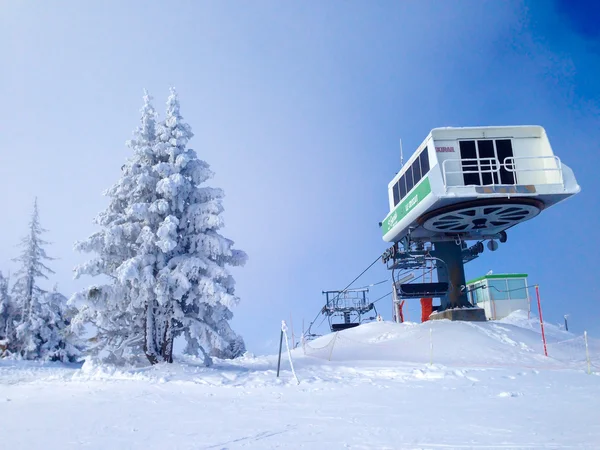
(513, 341)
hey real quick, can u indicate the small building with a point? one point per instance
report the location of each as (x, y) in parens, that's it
(499, 295)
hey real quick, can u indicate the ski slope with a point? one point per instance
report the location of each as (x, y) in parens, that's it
(382, 385)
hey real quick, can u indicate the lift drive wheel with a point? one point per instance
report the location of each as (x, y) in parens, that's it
(488, 216)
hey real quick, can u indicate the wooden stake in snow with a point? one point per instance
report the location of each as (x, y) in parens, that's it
(279, 359)
(587, 352)
(537, 293)
(332, 344)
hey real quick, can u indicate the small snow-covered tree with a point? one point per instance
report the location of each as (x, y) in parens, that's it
(58, 342)
(40, 331)
(25, 290)
(160, 248)
(7, 314)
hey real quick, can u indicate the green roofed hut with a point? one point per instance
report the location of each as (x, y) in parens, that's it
(501, 294)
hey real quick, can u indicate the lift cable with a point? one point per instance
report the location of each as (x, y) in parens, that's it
(515, 289)
(374, 284)
(382, 297)
(361, 274)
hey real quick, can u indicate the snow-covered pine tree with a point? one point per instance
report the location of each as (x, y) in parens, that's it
(7, 313)
(195, 274)
(160, 247)
(117, 309)
(59, 343)
(40, 331)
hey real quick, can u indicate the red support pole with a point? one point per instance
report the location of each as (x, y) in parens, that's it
(537, 293)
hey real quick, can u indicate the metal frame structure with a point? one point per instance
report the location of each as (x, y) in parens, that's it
(349, 305)
(445, 259)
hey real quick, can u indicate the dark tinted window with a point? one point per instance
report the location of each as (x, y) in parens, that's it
(409, 179)
(504, 149)
(396, 194)
(416, 168)
(424, 158)
(470, 170)
(486, 154)
(402, 184)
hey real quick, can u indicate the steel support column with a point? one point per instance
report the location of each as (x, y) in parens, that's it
(453, 272)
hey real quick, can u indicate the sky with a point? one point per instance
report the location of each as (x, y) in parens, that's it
(299, 108)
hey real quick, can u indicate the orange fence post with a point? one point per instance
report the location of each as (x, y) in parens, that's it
(537, 293)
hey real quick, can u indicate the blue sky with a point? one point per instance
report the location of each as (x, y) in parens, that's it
(298, 107)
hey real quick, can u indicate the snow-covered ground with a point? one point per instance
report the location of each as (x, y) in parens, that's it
(484, 385)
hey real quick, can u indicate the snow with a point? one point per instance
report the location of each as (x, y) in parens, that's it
(369, 387)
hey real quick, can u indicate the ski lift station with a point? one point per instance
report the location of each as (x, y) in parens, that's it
(466, 184)
(499, 295)
(475, 183)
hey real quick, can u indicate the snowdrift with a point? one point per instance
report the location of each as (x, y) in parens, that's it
(513, 341)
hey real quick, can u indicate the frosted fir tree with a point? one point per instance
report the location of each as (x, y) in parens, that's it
(57, 341)
(7, 316)
(118, 309)
(195, 274)
(160, 248)
(40, 327)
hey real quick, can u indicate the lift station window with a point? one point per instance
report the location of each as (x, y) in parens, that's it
(477, 293)
(498, 289)
(416, 170)
(411, 177)
(517, 288)
(402, 184)
(396, 194)
(480, 162)
(487, 162)
(424, 160)
(504, 150)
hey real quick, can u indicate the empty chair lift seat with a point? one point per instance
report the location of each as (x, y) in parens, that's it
(420, 290)
(342, 326)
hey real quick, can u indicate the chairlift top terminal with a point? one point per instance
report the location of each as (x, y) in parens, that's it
(465, 184)
(474, 183)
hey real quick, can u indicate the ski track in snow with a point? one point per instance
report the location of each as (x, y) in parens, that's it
(488, 388)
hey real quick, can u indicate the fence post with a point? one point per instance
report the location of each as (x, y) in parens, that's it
(537, 293)
(332, 345)
(279, 359)
(287, 346)
(587, 352)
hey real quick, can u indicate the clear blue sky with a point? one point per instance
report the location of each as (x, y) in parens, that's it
(298, 107)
